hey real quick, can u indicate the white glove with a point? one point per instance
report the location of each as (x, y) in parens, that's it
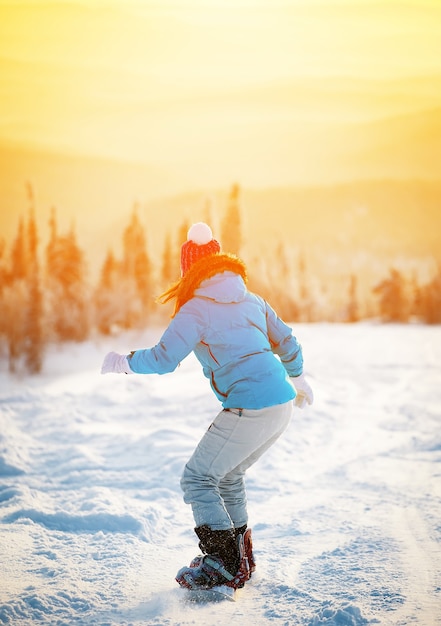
(115, 363)
(304, 391)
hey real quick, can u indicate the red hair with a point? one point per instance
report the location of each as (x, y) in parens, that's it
(206, 267)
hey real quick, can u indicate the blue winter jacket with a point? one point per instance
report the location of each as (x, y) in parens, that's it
(236, 336)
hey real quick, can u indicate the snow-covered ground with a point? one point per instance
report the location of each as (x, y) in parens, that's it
(345, 508)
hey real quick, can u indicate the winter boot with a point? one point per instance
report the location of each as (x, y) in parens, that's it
(221, 563)
(221, 544)
(248, 546)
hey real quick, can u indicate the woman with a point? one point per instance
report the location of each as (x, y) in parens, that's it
(247, 352)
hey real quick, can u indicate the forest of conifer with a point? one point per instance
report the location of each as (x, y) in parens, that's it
(48, 296)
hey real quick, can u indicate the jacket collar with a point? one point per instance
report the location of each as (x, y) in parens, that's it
(201, 270)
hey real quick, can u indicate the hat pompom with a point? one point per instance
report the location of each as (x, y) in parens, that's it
(200, 233)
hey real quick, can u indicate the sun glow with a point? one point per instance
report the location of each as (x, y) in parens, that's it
(274, 93)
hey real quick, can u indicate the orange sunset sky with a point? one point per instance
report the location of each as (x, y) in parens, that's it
(183, 95)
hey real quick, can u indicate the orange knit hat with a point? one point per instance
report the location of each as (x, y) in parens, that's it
(199, 243)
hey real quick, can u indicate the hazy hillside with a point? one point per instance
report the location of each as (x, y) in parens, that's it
(399, 147)
(379, 215)
(85, 191)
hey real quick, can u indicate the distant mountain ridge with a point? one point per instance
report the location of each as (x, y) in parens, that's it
(97, 195)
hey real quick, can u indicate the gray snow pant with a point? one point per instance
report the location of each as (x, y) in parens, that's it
(213, 479)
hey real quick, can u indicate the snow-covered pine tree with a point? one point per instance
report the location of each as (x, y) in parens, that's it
(136, 273)
(181, 236)
(393, 303)
(66, 285)
(352, 306)
(231, 225)
(34, 339)
(168, 270)
(109, 313)
(13, 296)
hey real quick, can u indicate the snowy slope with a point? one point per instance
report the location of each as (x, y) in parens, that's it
(345, 508)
